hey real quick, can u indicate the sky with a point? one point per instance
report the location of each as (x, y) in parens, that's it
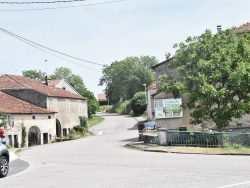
(103, 31)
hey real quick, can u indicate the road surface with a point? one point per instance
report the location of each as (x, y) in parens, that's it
(102, 161)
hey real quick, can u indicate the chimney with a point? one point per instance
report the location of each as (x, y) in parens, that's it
(47, 80)
(218, 28)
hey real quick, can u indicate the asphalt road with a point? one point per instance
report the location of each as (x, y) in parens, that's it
(17, 166)
(102, 161)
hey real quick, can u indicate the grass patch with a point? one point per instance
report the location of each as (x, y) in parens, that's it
(144, 116)
(133, 147)
(105, 108)
(94, 120)
(123, 107)
(201, 150)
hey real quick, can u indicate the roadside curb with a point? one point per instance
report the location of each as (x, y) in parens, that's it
(13, 155)
(146, 149)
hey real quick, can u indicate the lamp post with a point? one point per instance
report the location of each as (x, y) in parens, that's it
(145, 92)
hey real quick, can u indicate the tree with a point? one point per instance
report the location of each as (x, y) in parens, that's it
(93, 104)
(75, 81)
(214, 72)
(138, 103)
(33, 74)
(126, 77)
(3, 120)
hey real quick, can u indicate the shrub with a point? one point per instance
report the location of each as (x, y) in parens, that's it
(80, 129)
(138, 103)
(83, 121)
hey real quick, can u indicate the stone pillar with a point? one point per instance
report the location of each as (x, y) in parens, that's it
(162, 136)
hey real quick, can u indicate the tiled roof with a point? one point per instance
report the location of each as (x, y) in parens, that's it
(14, 105)
(102, 97)
(54, 82)
(243, 28)
(162, 63)
(152, 86)
(20, 82)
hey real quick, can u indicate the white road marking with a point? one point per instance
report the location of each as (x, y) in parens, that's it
(233, 185)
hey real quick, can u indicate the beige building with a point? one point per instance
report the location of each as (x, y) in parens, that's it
(68, 106)
(161, 116)
(39, 122)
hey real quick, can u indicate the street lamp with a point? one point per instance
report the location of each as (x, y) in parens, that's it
(145, 92)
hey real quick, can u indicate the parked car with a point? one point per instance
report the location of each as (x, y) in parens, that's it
(150, 125)
(4, 159)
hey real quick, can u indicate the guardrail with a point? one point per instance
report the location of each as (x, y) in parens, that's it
(208, 139)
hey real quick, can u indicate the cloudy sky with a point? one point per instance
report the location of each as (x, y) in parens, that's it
(103, 31)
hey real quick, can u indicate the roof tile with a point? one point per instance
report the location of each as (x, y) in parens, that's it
(14, 105)
(20, 82)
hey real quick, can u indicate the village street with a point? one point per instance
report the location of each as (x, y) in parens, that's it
(102, 161)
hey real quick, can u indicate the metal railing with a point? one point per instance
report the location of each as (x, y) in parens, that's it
(208, 139)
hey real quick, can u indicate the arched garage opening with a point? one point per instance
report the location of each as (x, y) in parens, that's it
(58, 129)
(34, 136)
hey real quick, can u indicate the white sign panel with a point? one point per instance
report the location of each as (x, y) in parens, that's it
(168, 108)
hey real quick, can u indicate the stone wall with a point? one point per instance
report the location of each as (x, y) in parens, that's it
(30, 96)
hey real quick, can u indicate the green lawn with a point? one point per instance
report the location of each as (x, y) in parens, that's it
(94, 120)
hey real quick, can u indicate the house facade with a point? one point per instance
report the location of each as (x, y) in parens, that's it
(62, 83)
(151, 90)
(68, 106)
(241, 125)
(169, 122)
(39, 122)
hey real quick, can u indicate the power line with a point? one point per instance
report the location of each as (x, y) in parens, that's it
(40, 9)
(36, 44)
(54, 54)
(40, 2)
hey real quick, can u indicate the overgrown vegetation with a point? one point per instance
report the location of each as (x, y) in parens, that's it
(105, 108)
(3, 118)
(122, 107)
(138, 103)
(24, 135)
(83, 121)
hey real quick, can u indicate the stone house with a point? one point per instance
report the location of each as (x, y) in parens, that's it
(39, 121)
(69, 106)
(164, 121)
(160, 69)
(102, 99)
(151, 90)
(61, 83)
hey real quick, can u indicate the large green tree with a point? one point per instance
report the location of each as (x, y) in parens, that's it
(214, 72)
(93, 104)
(124, 78)
(34, 74)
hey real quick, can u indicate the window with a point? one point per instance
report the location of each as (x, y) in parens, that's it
(11, 120)
(33, 117)
(64, 132)
(54, 105)
(49, 117)
(67, 105)
(79, 106)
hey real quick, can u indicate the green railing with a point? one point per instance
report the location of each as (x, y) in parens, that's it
(208, 139)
